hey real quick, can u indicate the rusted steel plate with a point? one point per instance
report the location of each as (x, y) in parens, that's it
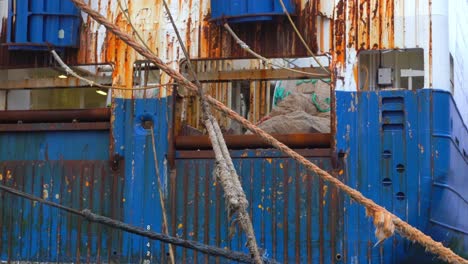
(312, 140)
(54, 127)
(296, 216)
(264, 153)
(259, 74)
(33, 232)
(42, 116)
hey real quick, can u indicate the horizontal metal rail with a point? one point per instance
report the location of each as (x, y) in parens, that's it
(55, 116)
(311, 140)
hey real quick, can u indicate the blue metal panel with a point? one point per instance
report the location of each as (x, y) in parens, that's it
(237, 11)
(33, 232)
(38, 23)
(449, 203)
(400, 131)
(295, 215)
(394, 143)
(141, 202)
(72, 145)
(71, 168)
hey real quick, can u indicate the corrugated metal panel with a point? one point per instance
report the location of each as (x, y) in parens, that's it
(387, 129)
(75, 145)
(401, 132)
(450, 184)
(141, 200)
(33, 232)
(297, 218)
(71, 168)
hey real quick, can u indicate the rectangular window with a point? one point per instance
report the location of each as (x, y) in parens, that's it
(384, 69)
(52, 89)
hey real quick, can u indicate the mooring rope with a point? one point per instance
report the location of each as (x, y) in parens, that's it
(235, 198)
(92, 83)
(95, 218)
(300, 36)
(374, 210)
(269, 62)
(161, 194)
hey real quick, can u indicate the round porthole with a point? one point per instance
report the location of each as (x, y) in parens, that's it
(400, 196)
(386, 182)
(400, 168)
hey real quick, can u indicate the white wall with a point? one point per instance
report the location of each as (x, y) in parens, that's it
(19, 100)
(440, 75)
(458, 46)
(3, 11)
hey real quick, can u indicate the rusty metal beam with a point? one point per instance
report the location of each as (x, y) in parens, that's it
(48, 83)
(209, 154)
(312, 140)
(54, 127)
(260, 74)
(55, 116)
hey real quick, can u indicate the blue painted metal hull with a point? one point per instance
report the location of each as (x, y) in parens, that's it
(402, 152)
(397, 149)
(296, 217)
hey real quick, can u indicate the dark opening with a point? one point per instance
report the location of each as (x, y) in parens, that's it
(400, 196)
(387, 154)
(386, 182)
(400, 168)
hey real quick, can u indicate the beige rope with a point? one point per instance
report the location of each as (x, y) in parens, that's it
(300, 36)
(246, 47)
(236, 201)
(91, 83)
(161, 195)
(373, 209)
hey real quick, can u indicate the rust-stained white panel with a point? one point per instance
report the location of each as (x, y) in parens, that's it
(326, 7)
(3, 12)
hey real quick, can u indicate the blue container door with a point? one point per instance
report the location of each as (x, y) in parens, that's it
(236, 8)
(260, 7)
(20, 32)
(236, 11)
(42, 22)
(36, 22)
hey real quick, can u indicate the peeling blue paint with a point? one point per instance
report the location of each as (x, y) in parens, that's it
(400, 143)
(403, 149)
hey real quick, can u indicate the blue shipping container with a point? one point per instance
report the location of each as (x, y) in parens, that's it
(237, 11)
(35, 24)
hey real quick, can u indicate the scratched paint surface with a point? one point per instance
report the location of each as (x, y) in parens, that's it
(419, 177)
(70, 168)
(141, 200)
(297, 218)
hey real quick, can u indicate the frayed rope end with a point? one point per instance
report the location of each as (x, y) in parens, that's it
(383, 222)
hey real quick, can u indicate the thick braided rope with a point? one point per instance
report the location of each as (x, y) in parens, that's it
(226, 172)
(373, 209)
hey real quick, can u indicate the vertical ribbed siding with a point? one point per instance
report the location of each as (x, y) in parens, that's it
(295, 215)
(34, 232)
